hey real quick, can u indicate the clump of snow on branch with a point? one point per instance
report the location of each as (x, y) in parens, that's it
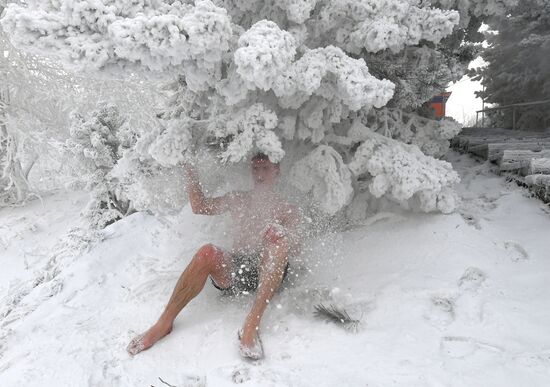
(264, 52)
(403, 173)
(265, 62)
(93, 139)
(252, 129)
(171, 145)
(150, 186)
(96, 143)
(323, 173)
(434, 136)
(390, 24)
(117, 33)
(431, 136)
(330, 73)
(298, 11)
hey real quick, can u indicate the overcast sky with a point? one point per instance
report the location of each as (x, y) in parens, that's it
(462, 104)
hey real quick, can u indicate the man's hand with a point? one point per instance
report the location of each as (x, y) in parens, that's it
(200, 204)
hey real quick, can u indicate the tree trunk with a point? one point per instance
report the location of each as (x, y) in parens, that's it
(14, 187)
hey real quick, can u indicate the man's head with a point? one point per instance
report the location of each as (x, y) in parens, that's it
(264, 172)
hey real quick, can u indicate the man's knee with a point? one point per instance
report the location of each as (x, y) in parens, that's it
(275, 257)
(208, 256)
(280, 245)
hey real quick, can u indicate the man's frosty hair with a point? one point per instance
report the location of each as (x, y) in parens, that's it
(262, 156)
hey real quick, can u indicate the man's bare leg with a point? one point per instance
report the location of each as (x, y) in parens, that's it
(209, 260)
(272, 268)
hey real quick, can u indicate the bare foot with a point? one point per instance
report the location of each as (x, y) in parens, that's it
(148, 339)
(250, 345)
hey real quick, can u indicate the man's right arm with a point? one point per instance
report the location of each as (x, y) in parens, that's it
(200, 204)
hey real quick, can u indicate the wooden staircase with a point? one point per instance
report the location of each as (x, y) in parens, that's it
(523, 155)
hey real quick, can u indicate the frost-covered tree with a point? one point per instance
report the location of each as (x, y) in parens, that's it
(14, 187)
(518, 68)
(147, 171)
(36, 98)
(311, 83)
(32, 91)
(96, 143)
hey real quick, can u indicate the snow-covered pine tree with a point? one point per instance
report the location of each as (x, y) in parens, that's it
(37, 97)
(518, 68)
(330, 88)
(97, 143)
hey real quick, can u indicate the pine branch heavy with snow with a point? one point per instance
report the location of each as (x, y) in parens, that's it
(287, 78)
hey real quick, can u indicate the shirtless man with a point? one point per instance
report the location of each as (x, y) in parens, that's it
(264, 235)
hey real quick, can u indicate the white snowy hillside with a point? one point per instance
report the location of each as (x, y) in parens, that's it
(443, 300)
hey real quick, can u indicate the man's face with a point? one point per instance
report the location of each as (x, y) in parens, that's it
(264, 172)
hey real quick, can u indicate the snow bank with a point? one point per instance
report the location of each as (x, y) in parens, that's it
(440, 299)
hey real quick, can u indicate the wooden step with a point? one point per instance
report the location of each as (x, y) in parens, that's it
(540, 186)
(539, 179)
(492, 131)
(515, 160)
(465, 142)
(494, 151)
(538, 166)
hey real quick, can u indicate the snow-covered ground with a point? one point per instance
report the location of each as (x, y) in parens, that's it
(444, 300)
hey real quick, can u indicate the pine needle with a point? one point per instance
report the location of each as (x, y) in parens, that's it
(336, 315)
(168, 384)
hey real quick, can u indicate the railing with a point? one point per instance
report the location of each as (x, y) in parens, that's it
(514, 106)
(4, 102)
(5, 94)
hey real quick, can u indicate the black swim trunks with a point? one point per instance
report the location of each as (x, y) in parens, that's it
(245, 275)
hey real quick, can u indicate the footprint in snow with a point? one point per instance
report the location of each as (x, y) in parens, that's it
(471, 220)
(516, 251)
(539, 360)
(460, 347)
(442, 310)
(464, 304)
(256, 374)
(469, 304)
(192, 380)
(240, 375)
(472, 279)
